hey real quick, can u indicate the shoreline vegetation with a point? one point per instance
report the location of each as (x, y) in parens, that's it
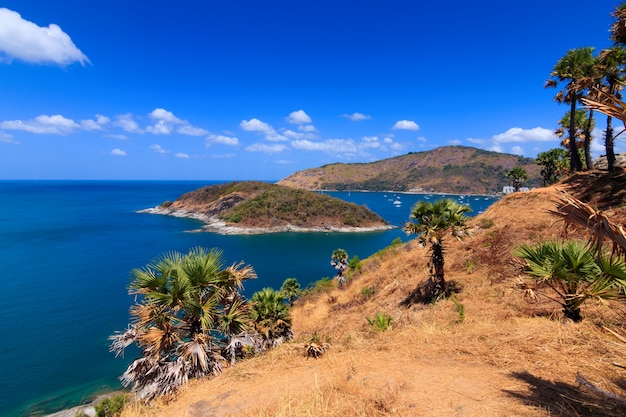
(215, 225)
(255, 207)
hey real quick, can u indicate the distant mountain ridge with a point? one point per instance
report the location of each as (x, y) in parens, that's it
(448, 169)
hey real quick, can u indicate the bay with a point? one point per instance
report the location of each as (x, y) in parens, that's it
(67, 249)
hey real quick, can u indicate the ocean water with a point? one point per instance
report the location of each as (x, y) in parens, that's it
(66, 252)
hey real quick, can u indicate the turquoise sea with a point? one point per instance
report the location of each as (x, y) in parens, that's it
(66, 252)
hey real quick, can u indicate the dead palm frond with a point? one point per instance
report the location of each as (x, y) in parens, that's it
(608, 104)
(574, 211)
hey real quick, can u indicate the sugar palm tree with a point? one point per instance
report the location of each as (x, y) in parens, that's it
(575, 69)
(270, 316)
(584, 123)
(291, 290)
(339, 260)
(432, 222)
(184, 301)
(574, 274)
(611, 65)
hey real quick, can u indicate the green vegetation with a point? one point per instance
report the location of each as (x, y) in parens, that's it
(322, 285)
(339, 261)
(554, 165)
(519, 175)
(367, 291)
(270, 316)
(291, 290)
(460, 309)
(354, 265)
(381, 322)
(431, 222)
(259, 204)
(571, 273)
(111, 406)
(188, 307)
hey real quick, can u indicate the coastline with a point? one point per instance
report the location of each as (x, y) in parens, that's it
(215, 225)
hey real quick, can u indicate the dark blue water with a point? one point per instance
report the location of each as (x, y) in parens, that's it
(66, 252)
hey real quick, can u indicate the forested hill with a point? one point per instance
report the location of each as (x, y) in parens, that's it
(259, 207)
(449, 169)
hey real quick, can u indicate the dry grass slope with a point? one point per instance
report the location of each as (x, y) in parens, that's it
(505, 356)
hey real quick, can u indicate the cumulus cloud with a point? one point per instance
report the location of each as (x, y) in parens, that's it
(118, 152)
(221, 139)
(26, 41)
(517, 134)
(96, 124)
(267, 148)
(127, 123)
(181, 155)
(44, 124)
(355, 117)
(455, 142)
(158, 149)
(165, 123)
(298, 118)
(256, 125)
(406, 125)
(517, 150)
(307, 128)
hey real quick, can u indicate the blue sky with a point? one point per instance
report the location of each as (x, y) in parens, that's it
(220, 90)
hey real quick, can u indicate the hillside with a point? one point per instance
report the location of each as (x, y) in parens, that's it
(504, 356)
(449, 169)
(260, 207)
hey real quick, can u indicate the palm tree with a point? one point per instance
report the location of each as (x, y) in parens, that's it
(339, 260)
(611, 65)
(431, 222)
(270, 316)
(519, 175)
(184, 301)
(584, 123)
(575, 68)
(291, 290)
(574, 274)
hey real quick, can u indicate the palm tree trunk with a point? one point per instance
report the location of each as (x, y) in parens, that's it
(588, 160)
(608, 144)
(575, 164)
(439, 283)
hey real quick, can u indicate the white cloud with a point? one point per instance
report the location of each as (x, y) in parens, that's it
(158, 149)
(517, 134)
(44, 124)
(181, 155)
(6, 138)
(128, 123)
(267, 148)
(355, 117)
(298, 118)
(476, 141)
(329, 145)
(26, 41)
(97, 124)
(406, 125)
(454, 142)
(224, 140)
(165, 123)
(370, 142)
(256, 125)
(517, 150)
(118, 152)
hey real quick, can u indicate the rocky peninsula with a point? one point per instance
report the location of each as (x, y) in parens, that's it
(255, 207)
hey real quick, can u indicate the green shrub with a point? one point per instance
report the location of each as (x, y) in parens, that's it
(354, 264)
(320, 286)
(486, 223)
(367, 291)
(111, 406)
(381, 322)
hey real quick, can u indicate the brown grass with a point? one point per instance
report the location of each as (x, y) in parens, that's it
(508, 357)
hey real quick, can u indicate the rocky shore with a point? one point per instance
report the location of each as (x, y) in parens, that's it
(215, 225)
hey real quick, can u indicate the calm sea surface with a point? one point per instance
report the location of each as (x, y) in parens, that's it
(66, 252)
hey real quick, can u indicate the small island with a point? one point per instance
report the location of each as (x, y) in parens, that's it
(255, 207)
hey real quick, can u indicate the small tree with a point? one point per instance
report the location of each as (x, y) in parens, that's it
(519, 175)
(291, 290)
(270, 316)
(339, 260)
(554, 164)
(431, 222)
